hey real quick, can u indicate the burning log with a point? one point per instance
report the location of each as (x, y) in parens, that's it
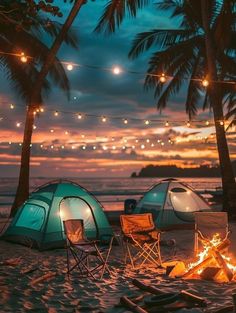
(221, 262)
(210, 272)
(221, 247)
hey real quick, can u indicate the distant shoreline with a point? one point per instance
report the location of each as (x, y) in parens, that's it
(161, 171)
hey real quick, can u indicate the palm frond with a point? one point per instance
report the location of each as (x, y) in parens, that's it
(162, 38)
(114, 13)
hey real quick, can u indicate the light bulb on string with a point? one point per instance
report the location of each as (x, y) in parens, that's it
(162, 78)
(125, 121)
(34, 126)
(79, 116)
(18, 124)
(84, 147)
(116, 70)
(69, 67)
(205, 82)
(56, 113)
(188, 124)
(147, 122)
(62, 147)
(66, 132)
(23, 58)
(41, 109)
(113, 147)
(104, 119)
(167, 124)
(221, 123)
(94, 147)
(207, 123)
(162, 143)
(147, 140)
(12, 106)
(142, 146)
(51, 130)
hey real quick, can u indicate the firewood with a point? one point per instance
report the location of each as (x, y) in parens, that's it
(210, 272)
(145, 287)
(222, 246)
(221, 262)
(131, 305)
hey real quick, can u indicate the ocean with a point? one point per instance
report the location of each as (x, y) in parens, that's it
(111, 192)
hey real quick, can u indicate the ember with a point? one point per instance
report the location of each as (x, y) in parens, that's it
(212, 263)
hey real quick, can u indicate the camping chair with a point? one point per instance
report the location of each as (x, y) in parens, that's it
(208, 224)
(81, 250)
(142, 238)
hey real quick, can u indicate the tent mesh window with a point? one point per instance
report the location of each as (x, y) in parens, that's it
(32, 217)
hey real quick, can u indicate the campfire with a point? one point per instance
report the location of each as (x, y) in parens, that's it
(212, 263)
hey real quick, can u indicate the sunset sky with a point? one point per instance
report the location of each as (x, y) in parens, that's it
(66, 146)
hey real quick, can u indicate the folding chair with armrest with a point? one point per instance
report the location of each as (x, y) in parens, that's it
(141, 239)
(81, 250)
(208, 224)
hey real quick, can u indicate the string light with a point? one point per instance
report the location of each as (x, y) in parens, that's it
(69, 67)
(56, 113)
(12, 106)
(147, 122)
(116, 70)
(222, 123)
(23, 57)
(51, 130)
(94, 147)
(41, 109)
(79, 116)
(66, 132)
(188, 124)
(162, 78)
(125, 121)
(104, 119)
(207, 123)
(167, 124)
(62, 147)
(205, 83)
(142, 146)
(34, 126)
(18, 124)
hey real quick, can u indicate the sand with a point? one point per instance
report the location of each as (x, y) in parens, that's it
(80, 294)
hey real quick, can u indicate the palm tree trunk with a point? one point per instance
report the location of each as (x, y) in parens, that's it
(23, 182)
(215, 96)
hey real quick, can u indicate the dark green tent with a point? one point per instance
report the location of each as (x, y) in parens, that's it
(39, 221)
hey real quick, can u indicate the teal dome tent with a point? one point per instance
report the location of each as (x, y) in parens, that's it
(39, 221)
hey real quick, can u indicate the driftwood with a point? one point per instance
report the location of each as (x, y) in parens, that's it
(145, 287)
(188, 296)
(222, 246)
(42, 278)
(226, 309)
(11, 262)
(131, 305)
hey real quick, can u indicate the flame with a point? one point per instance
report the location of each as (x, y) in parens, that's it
(202, 255)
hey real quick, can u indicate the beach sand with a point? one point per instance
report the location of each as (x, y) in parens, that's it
(80, 294)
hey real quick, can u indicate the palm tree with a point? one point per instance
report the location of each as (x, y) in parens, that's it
(34, 103)
(194, 50)
(15, 38)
